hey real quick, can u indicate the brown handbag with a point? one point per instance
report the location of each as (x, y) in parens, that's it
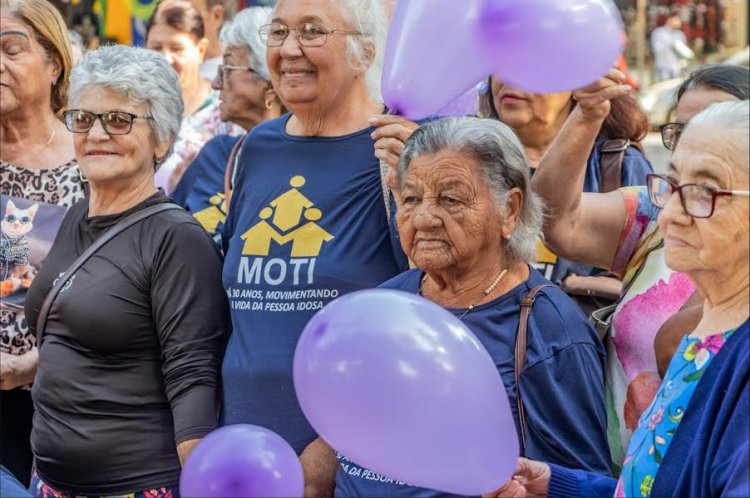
(519, 361)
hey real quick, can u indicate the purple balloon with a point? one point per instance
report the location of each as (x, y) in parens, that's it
(242, 461)
(466, 105)
(547, 46)
(399, 385)
(431, 56)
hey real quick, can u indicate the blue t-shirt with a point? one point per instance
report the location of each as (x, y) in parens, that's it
(635, 167)
(562, 383)
(307, 224)
(201, 189)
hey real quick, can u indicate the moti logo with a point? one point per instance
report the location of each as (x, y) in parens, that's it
(292, 219)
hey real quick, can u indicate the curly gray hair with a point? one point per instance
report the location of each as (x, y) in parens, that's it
(143, 76)
(242, 31)
(500, 159)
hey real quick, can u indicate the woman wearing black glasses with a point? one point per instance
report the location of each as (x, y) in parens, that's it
(692, 440)
(246, 98)
(176, 31)
(129, 355)
(621, 234)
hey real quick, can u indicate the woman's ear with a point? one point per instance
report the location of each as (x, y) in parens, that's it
(368, 57)
(513, 204)
(202, 47)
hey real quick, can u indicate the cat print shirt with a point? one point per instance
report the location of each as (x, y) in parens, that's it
(33, 204)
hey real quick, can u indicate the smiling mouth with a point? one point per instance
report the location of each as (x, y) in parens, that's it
(101, 153)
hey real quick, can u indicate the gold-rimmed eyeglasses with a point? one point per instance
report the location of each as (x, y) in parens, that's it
(308, 34)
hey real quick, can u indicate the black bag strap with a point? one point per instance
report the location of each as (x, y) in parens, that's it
(519, 361)
(111, 233)
(610, 164)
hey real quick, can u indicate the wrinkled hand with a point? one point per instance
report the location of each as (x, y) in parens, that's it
(391, 133)
(530, 479)
(17, 370)
(594, 99)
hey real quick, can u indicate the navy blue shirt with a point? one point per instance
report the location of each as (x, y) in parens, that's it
(201, 189)
(635, 167)
(307, 224)
(562, 383)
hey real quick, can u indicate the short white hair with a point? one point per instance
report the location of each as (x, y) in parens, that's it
(729, 116)
(242, 31)
(143, 76)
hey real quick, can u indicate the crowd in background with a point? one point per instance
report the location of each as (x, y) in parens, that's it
(244, 172)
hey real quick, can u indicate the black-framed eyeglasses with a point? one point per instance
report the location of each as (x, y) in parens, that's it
(670, 133)
(222, 73)
(24, 220)
(698, 201)
(113, 122)
(308, 34)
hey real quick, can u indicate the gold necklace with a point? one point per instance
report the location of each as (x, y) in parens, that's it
(485, 293)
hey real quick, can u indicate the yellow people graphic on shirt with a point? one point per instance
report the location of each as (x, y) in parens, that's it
(292, 219)
(545, 259)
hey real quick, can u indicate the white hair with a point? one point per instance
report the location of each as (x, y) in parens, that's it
(242, 31)
(143, 76)
(729, 116)
(500, 159)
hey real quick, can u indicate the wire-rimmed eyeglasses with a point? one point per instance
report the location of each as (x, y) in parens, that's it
(222, 73)
(670, 133)
(308, 34)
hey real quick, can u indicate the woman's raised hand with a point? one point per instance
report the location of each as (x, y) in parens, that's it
(593, 100)
(531, 478)
(390, 134)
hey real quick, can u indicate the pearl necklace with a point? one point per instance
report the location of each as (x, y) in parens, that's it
(485, 293)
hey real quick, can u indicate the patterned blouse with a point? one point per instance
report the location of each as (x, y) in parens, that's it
(659, 422)
(61, 186)
(654, 293)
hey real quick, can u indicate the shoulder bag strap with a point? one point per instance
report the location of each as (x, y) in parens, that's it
(113, 231)
(520, 355)
(610, 164)
(230, 171)
(386, 191)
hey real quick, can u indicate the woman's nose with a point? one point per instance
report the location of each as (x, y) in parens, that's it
(425, 218)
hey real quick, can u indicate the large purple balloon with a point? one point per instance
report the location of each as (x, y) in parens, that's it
(242, 461)
(399, 385)
(431, 57)
(546, 46)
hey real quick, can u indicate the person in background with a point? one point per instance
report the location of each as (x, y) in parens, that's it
(615, 159)
(130, 354)
(246, 98)
(76, 46)
(215, 13)
(469, 221)
(307, 220)
(176, 30)
(692, 440)
(37, 167)
(669, 48)
(616, 231)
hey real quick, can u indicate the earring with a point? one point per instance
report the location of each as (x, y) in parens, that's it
(269, 104)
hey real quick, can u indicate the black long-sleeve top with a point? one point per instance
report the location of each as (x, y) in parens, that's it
(130, 356)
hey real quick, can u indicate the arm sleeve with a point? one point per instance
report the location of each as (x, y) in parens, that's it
(564, 402)
(190, 313)
(639, 214)
(731, 477)
(564, 483)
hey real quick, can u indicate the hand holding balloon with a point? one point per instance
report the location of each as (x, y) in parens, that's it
(593, 100)
(390, 135)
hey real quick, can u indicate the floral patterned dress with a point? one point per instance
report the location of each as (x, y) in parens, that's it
(659, 422)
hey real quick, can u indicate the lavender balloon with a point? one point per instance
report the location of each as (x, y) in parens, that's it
(546, 46)
(242, 461)
(399, 385)
(432, 55)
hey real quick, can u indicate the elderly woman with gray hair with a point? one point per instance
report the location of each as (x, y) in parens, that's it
(129, 332)
(246, 98)
(468, 219)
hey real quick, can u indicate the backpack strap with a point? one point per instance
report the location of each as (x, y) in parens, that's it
(113, 231)
(519, 361)
(610, 163)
